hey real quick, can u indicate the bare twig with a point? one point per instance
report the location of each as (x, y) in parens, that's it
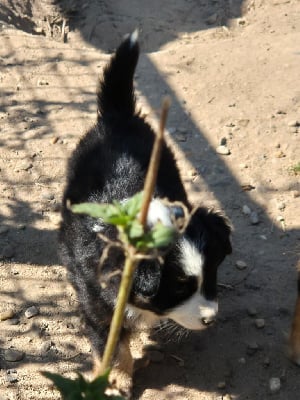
(154, 163)
(132, 257)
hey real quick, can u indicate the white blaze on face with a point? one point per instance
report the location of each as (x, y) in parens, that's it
(159, 212)
(196, 309)
(191, 313)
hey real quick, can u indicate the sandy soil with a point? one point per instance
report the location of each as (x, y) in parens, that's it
(232, 70)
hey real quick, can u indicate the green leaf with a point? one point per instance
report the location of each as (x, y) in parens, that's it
(94, 210)
(133, 205)
(135, 230)
(100, 383)
(162, 236)
(70, 389)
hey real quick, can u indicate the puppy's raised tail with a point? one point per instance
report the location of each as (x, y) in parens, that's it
(116, 93)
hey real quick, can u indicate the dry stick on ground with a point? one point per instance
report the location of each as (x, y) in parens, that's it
(132, 260)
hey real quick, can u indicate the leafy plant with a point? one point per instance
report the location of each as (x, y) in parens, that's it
(124, 215)
(80, 389)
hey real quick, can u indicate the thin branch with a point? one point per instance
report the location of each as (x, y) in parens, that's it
(132, 256)
(154, 163)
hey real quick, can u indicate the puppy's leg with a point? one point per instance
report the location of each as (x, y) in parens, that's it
(121, 373)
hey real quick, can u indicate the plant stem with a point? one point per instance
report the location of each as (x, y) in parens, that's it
(154, 163)
(116, 324)
(131, 260)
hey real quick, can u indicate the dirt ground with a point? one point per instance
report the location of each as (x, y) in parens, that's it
(232, 71)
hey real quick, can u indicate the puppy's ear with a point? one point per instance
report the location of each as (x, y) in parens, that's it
(147, 279)
(214, 227)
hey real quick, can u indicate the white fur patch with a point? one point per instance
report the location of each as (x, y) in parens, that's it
(191, 259)
(159, 212)
(140, 318)
(191, 313)
(134, 37)
(98, 226)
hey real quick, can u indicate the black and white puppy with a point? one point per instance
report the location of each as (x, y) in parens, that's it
(110, 162)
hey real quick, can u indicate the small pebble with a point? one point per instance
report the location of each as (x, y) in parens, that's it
(13, 355)
(240, 264)
(260, 323)
(192, 173)
(223, 141)
(252, 348)
(31, 312)
(254, 218)
(25, 166)
(9, 314)
(242, 21)
(294, 124)
(266, 362)
(246, 210)
(222, 385)
(11, 376)
(275, 385)
(280, 154)
(242, 360)
(212, 19)
(54, 139)
(296, 194)
(48, 196)
(42, 82)
(281, 206)
(280, 218)
(46, 346)
(181, 136)
(252, 311)
(243, 165)
(13, 321)
(263, 237)
(223, 150)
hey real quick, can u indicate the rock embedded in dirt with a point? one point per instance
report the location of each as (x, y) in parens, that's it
(252, 311)
(293, 124)
(266, 362)
(254, 219)
(11, 376)
(31, 312)
(222, 385)
(212, 19)
(223, 150)
(9, 314)
(42, 82)
(13, 355)
(260, 323)
(274, 385)
(246, 210)
(46, 346)
(241, 264)
(252, 348)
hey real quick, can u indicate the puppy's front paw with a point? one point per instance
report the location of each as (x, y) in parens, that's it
(121, 383)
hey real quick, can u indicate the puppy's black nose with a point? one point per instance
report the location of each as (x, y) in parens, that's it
(208, 320)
